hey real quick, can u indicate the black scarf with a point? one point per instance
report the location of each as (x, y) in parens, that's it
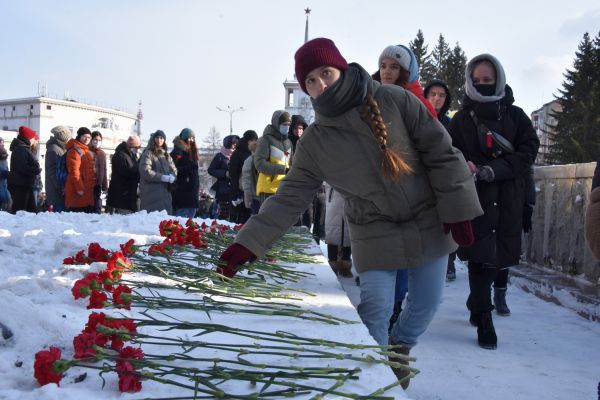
(348, 92)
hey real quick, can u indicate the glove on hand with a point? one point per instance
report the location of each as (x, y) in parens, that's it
(165, 178)
(462, 232)
(527, 213)
(485, 173)
(172, 178)
(234, 255)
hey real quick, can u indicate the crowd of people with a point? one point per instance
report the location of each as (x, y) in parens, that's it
(395, 186)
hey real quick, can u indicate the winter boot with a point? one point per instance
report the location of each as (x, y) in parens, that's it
(473, 317)
(486, 334)
(345, 268)
(402, 374)
(500, 301)
(334, 266)
(395, 315)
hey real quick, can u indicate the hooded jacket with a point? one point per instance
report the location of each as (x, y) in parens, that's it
(392, 224)
(272, 157)
(442, 115)
(498, 231)
(124, 179)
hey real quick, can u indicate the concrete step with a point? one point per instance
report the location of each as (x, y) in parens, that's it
(559, 288)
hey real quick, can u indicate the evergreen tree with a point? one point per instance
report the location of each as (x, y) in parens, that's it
(577, 130)
(456, 63)
(439, 58)
(419, 47)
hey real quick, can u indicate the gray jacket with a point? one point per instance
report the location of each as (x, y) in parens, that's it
(392, 224)
(336, 226)
(154, 193)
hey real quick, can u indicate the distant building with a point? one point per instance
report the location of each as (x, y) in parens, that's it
(543, 121)
(296, 101)
(44, 113)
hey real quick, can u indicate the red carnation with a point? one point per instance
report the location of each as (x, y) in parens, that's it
(97, 252)
(81, 289)
(131, 352)
(69, 260)
(97, 299)
(122, 296)
(107, 279)
(128, 248)
(84, 344)
(81, 258)
(94, 320)
(129, 377)
(47, 366)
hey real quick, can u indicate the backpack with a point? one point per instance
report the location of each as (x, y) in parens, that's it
(61, 168)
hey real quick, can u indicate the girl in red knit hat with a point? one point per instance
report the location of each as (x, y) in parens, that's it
(404, 187)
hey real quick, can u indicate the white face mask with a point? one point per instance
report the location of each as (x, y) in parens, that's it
(284, 129)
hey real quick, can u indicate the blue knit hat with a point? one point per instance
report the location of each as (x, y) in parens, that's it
(403, 56)
(187, 133)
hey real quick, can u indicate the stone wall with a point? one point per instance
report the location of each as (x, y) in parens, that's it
(557, 240)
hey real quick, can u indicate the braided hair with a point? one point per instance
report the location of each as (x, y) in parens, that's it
(392, 164)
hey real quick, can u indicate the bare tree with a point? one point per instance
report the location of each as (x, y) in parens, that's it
(209, 146)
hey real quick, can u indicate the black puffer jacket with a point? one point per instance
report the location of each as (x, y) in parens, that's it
(235, 168)
(219, 168)
(187, 186)
(23, 165)
(498, 231)
(124, 179)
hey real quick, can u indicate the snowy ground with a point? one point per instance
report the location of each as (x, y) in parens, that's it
(544, 351)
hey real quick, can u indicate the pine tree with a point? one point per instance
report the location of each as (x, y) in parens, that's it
(456, 64)
(577, 130)
(439, 57)
(419, 47)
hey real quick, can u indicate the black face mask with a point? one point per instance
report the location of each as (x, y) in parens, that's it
(486, 90)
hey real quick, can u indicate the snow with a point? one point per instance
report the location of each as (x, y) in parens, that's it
(544, 351)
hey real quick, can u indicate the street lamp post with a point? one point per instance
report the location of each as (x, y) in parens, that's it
(231, 111)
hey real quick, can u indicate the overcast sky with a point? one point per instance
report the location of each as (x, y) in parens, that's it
(185, 58)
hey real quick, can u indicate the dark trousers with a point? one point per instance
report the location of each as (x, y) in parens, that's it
(22, 197)
(501, 280)
(481, 277)
(87, 210)
(333, 252)
(239, 214)
(97, 201)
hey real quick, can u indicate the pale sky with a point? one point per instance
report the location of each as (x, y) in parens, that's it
(185, 58)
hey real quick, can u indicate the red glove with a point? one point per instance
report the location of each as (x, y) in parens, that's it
(462, 232)
(234, 255)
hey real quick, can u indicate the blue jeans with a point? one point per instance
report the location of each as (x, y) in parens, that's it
(401, 285)
(377, 292)
(186, 212)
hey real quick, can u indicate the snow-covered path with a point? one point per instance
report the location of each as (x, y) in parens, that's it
(544, 351)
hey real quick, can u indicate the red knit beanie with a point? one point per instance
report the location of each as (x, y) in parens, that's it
(314, 54)
(27, 133)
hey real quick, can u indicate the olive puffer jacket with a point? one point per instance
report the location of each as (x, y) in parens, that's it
(392, 224)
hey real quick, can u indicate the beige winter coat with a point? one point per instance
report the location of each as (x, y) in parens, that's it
(392, 224)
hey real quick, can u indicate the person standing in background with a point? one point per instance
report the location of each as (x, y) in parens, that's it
(24, 167)
(273, 154)
(81, 173)
(187, 191)
(219, 168)
(437, 93)
(125, 176)
(5, 199)
(240, 213)
(157, 173)
(100, 166)
(55, 148)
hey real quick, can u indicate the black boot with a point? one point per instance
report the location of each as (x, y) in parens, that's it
(395, 315)
(402, 374)
(500, 302)
(473, 317)
(451, 270)
(486, 334)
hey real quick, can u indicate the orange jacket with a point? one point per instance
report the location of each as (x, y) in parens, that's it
(81, 176)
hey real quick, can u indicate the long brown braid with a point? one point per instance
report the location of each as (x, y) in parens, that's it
(392, 164)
